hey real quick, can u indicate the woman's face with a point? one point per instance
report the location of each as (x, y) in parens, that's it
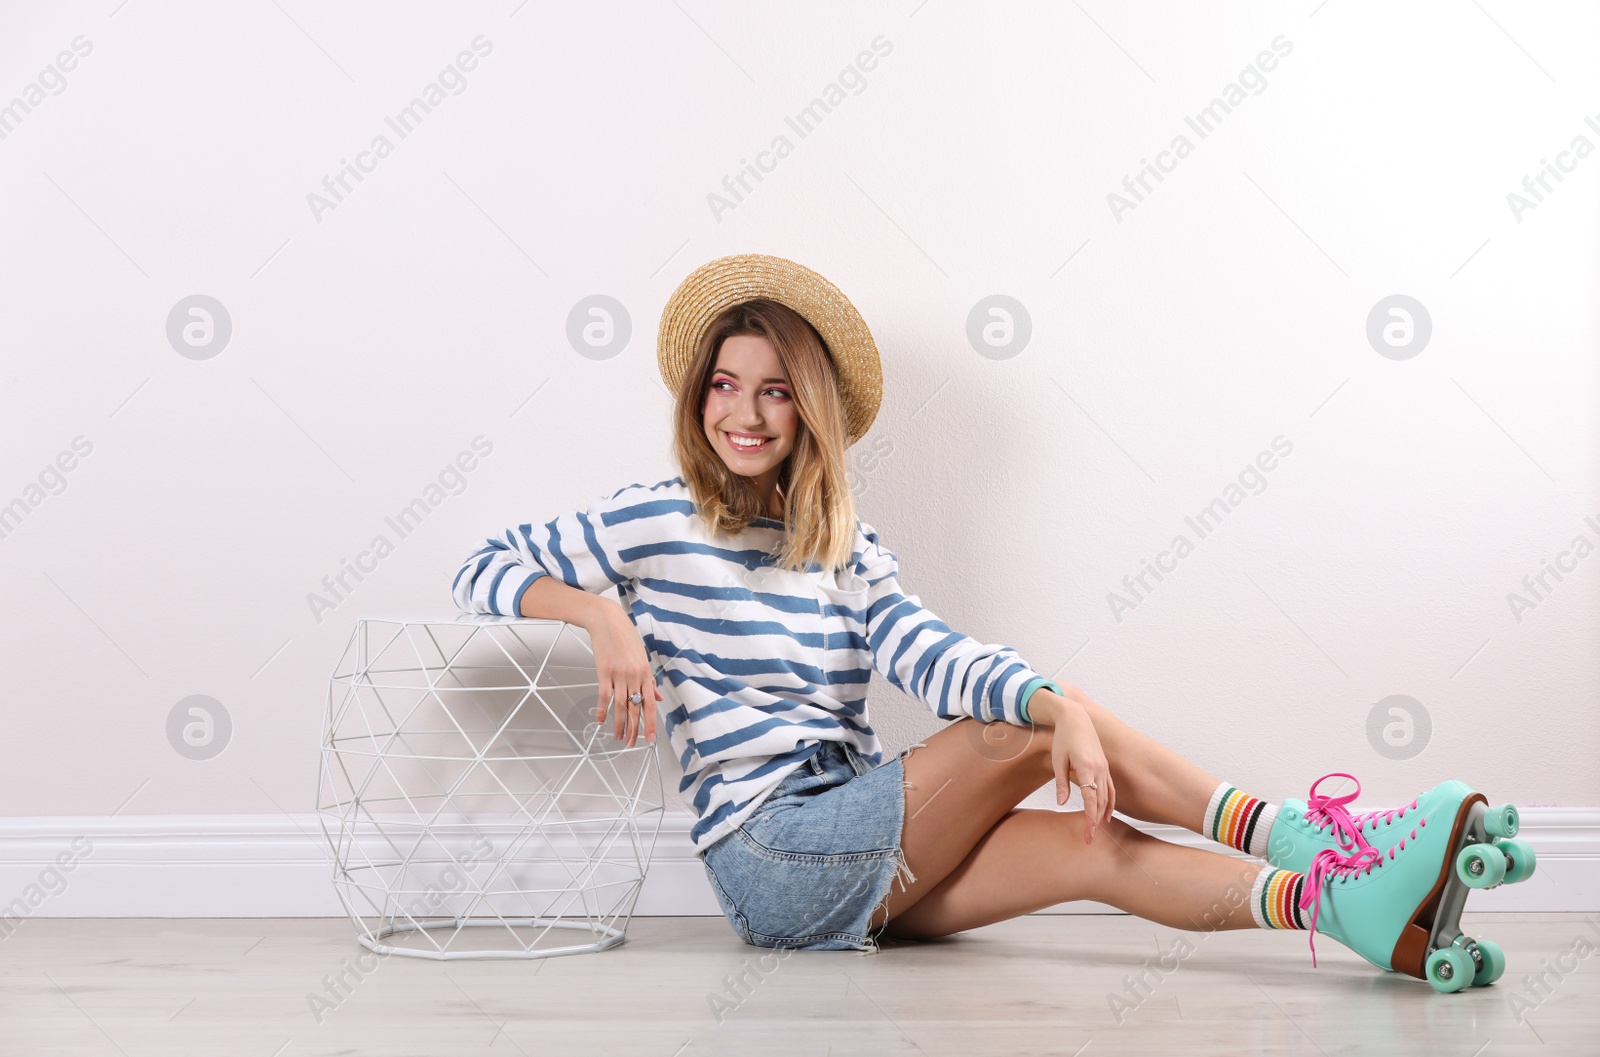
(749, 398)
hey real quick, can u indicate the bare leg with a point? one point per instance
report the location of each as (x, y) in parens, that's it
(1034, 859)
(958, 784)
(969, 775)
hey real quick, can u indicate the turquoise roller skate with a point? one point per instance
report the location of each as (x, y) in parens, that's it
(1400, 908)
(1305, 827)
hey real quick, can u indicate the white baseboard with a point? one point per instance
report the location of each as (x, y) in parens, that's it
(183, 866)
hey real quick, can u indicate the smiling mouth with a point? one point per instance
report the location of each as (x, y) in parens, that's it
(736, 446)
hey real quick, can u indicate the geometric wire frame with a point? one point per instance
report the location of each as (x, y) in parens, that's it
(465, 785)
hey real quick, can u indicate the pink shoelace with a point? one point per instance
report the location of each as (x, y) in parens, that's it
(1331, 810)
(1325, 866)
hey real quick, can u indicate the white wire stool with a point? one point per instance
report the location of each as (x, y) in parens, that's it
(465, 785)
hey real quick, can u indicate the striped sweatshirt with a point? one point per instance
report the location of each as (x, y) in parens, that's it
(757, 665)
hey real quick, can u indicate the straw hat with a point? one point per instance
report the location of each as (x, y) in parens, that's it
(729, 281)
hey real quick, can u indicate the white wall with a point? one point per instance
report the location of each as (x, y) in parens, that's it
(1171, 342)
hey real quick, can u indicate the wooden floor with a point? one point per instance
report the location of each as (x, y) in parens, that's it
(1039, 985)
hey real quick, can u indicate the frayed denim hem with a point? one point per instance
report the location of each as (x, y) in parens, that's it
(902, 870)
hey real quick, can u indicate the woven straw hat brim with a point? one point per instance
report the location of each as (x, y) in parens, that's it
(728, 281)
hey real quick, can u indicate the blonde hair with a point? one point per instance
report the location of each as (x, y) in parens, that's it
(819, 514)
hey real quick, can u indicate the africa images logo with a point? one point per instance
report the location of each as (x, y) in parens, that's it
(1202, 123)
(336, 186)
(853, 78)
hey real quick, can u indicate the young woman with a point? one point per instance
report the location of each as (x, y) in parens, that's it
(755, 605)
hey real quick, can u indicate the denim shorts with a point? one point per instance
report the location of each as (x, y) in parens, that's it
(813, 862)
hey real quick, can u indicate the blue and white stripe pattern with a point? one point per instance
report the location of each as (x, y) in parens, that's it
(756, 664)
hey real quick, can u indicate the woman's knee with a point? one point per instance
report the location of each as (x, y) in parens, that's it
(1099, 714)
(1111, 729)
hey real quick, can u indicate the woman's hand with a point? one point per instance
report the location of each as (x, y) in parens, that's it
(1076, 756)
(622, 667)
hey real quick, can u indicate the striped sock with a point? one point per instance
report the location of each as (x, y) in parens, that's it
(1275, 899)
(1239, 820)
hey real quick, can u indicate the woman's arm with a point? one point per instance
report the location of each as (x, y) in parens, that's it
(564, 571)
(954, 674)
(549, 599)
(957, 675)
(592, 550)
(621, 662)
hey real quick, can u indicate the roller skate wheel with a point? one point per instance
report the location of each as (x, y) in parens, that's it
(1481, 865)
(1501, 821)
(1450, 969)
(1520, 860)
(1492, 962)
